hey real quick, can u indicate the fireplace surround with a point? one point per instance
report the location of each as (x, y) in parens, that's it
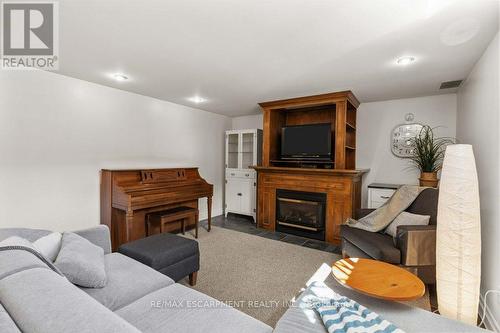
(301, 213)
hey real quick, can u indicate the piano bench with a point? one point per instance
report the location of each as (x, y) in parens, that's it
(181, 213)
(172, 255)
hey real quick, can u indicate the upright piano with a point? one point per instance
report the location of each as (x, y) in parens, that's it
(128, 195)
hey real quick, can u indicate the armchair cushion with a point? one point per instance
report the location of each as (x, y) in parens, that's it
(426, 204)
(376, 245)
(417, 244)
(406, 218)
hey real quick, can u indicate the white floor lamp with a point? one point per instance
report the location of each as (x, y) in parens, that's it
(458, 249)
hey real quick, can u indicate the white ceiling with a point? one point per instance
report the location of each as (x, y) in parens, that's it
(236, 53)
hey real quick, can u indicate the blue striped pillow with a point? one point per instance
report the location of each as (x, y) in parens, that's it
(343, 315)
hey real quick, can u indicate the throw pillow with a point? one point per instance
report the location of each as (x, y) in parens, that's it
(49, 245)
(341, 314)
(406, 218)
(81, 261)
(344, 315)
(16, 241)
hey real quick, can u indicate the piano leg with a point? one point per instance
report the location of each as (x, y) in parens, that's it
(209, 205)
(196, 226)
(129, 220)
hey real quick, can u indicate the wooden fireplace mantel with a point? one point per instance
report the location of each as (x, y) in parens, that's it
(342, 188)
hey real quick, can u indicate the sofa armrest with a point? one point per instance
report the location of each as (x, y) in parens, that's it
(417, 244)
(98, 235)
(362, 212)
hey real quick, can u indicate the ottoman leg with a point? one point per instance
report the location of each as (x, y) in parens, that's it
(192, 278)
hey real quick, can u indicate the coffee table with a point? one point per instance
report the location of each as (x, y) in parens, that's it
(378, 279)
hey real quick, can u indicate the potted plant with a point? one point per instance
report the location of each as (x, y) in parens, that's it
(427, 155)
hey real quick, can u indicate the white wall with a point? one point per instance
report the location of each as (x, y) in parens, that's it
(57, 132)
(478, 123)
(375, 122)
(247, 122)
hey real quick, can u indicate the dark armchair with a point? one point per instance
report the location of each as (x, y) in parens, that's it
(414, 247)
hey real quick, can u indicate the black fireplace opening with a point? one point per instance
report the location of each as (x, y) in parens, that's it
(301, 213)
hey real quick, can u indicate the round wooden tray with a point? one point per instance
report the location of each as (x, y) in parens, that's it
(378, 279)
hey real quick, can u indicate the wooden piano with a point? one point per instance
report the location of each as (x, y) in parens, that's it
(128, 195)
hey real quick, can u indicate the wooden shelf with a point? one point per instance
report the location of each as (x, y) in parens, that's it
(343, 172)
(304, 163)
(350, 126)
(349, 147)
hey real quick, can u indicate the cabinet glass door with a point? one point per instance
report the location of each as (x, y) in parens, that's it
(247, 152)
(232, 150)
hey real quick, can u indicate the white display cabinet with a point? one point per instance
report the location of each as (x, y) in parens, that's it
(243, 149)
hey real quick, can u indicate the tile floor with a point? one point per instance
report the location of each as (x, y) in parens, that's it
(245, 224)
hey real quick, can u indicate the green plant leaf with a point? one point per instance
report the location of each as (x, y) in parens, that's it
(428, 150)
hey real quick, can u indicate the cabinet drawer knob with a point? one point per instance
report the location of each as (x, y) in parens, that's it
(247, 174)
(385, 197)
(232, 174)
(240, 194)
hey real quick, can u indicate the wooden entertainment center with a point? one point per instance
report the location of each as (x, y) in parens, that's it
(338, 178)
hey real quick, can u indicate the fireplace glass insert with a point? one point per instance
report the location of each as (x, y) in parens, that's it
(301, 213)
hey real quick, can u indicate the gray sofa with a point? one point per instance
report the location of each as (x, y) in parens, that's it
(136, 298)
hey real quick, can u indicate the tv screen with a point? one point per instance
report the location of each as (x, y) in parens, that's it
(306, 141)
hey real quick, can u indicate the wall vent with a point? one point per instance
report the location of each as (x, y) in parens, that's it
(451, 84)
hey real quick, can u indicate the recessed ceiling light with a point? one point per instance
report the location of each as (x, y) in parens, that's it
(405, 60)
(197, 99)
(120, 77)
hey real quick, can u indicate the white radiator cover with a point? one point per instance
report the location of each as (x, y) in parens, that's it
(458, 248)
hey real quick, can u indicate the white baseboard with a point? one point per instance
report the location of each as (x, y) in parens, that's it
(490, 321)
(204, 214)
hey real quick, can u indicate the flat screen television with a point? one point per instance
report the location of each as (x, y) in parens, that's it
(306, 142)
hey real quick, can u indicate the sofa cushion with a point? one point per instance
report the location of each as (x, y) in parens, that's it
(17, 241)
(128, 280)
(26, 233)
(98, 235)
(181, 309)
(376, 245)
(40, 300)
(81, 261)
(7, 325)
(14, 261)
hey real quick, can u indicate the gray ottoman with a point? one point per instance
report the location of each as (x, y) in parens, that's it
(172, 255)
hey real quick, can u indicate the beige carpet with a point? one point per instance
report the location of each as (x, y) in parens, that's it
(259, 276)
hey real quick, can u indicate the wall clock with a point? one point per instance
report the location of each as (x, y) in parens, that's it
(401, 139)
